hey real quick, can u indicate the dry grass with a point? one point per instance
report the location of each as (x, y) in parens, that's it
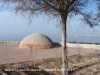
(78, 65)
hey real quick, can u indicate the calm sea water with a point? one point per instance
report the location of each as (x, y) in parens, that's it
(76, 39)
(58, 39)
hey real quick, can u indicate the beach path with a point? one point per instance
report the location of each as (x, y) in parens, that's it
(14, 54)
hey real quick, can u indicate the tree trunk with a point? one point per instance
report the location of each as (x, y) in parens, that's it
(64, 48)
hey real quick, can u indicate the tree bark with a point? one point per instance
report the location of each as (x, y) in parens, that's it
(64, 48)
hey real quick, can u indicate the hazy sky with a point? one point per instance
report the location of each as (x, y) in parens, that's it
(15, 27)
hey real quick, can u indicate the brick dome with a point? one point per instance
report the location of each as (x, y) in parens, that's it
(36, 41)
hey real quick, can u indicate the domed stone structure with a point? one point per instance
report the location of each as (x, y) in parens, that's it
(36, 41)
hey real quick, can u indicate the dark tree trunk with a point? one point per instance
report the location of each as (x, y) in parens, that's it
(64, 48)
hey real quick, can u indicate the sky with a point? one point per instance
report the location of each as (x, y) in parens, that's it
(15, 27)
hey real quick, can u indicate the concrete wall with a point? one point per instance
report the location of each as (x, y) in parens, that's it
(9, 42)
(92, 46)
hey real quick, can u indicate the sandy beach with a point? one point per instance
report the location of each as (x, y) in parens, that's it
(14, 54)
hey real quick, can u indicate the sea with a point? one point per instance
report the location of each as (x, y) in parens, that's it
(59, 39)
(77, 39)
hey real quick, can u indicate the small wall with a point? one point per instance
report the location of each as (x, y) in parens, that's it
(92, 46)
(9, 42)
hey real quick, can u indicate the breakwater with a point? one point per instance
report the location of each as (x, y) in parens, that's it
(91, 46)
(9, 42)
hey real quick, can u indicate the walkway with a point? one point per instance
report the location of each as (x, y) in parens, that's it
(13, 54)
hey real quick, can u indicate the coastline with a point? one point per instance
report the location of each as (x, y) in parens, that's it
(77, 45)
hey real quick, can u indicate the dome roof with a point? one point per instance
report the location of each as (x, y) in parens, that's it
(36, 41)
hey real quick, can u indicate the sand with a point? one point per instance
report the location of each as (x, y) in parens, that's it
(14, 54)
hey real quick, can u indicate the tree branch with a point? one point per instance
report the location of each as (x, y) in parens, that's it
(87, 20)
(53, 7)
(70, 3)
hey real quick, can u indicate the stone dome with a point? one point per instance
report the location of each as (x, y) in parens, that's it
(36, 41)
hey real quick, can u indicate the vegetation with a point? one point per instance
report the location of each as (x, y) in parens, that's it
(78, 65)
(84, 43)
